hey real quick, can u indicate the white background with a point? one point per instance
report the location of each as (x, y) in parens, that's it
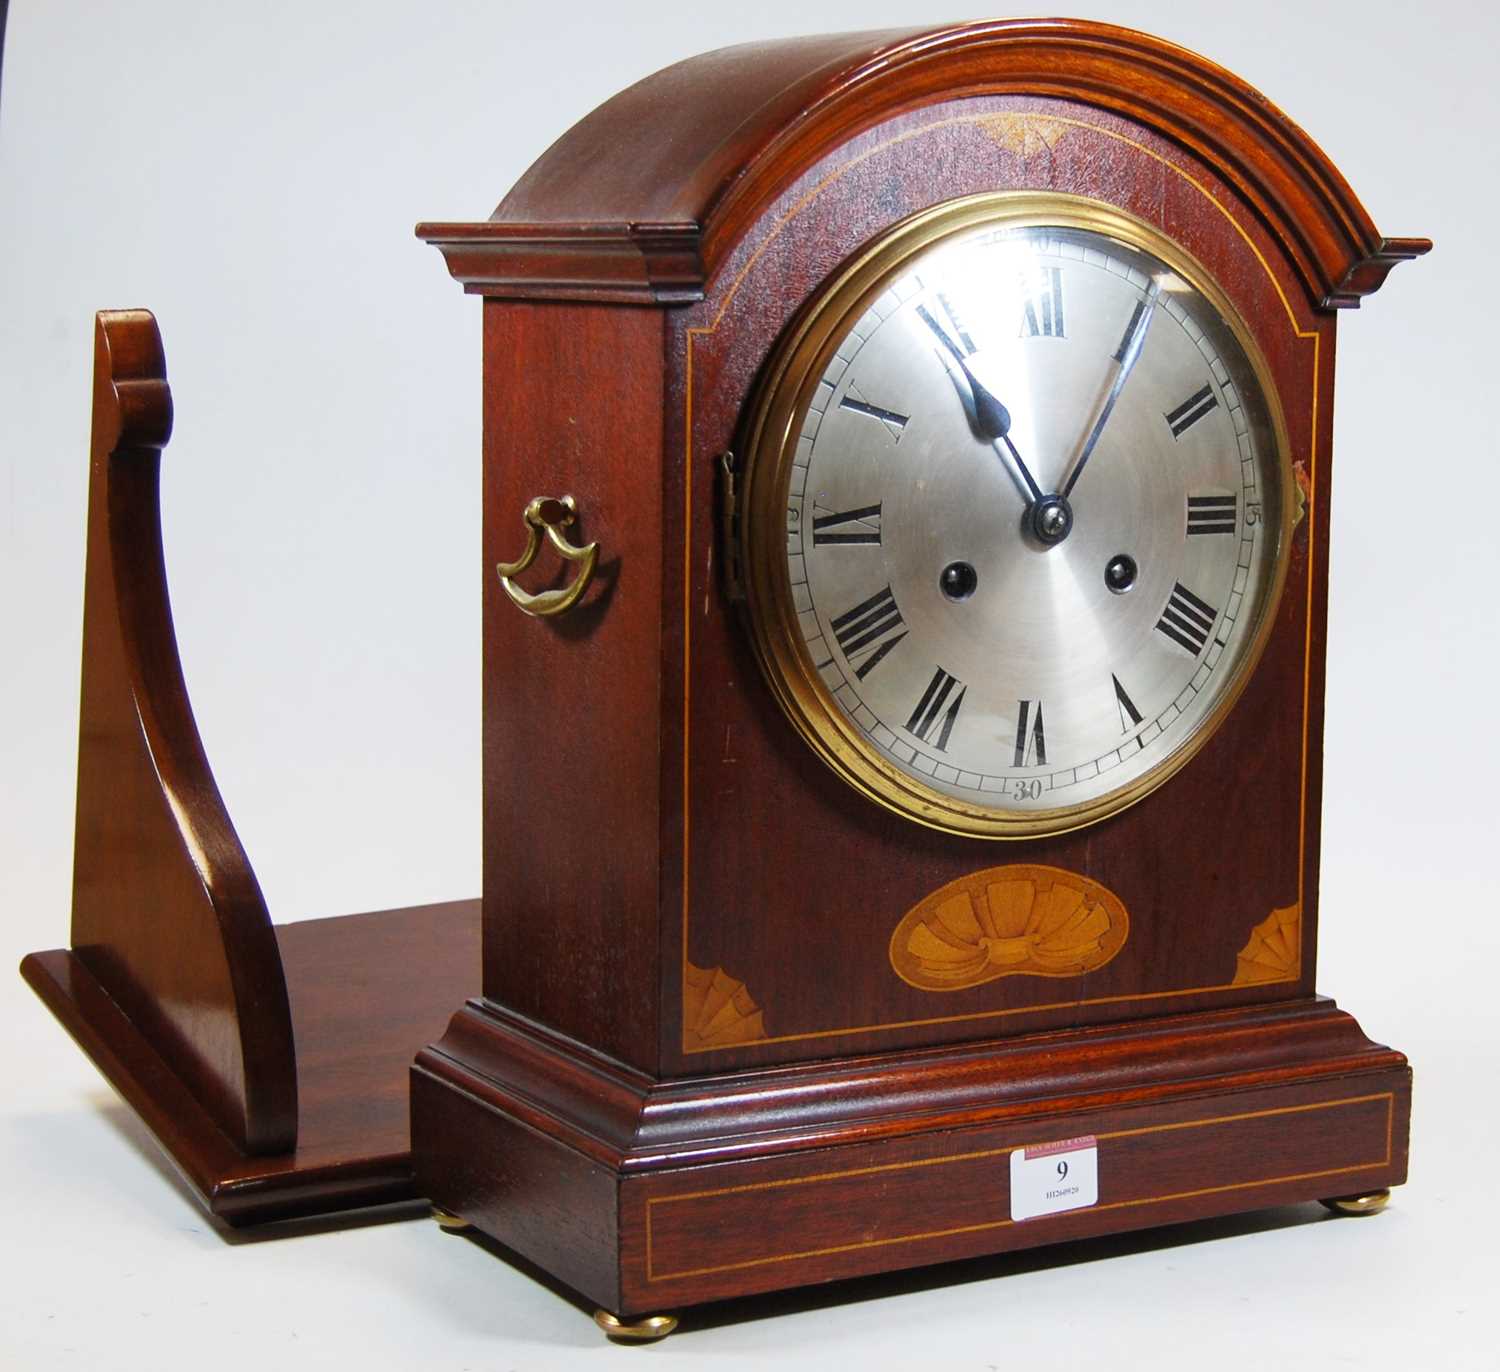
(252, 173)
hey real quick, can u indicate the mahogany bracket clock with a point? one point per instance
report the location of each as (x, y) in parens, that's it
(906, 491)
(902, 806)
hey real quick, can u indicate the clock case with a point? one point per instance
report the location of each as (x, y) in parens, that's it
(694, 1071)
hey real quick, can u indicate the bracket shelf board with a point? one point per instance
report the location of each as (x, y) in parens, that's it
(353, 1140)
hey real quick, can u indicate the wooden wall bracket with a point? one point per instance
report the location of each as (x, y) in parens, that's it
(270, 1063)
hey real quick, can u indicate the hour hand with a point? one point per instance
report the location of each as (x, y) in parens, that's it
(991, 418)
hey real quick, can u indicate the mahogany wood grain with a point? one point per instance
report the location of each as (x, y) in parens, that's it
(363, 989)
(834, 1169)
(717, 196)
(708, 1233)
(572, 401)
(573, 406)
(549, 1202)
(570, 742)
(627, 264)
(660, 176)
(167, 914)
(634, 1122)
(269, 1063)
(1198, 863)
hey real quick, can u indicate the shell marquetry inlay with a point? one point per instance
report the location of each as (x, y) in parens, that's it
(1019, 920)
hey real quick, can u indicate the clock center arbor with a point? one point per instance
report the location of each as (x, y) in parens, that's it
(914, 761)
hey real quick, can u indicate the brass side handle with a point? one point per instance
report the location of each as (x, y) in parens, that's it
(552, 516)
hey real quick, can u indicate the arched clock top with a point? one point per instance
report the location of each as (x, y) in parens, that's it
(645, 197)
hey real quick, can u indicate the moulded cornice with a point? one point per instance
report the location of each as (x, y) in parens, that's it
(645, 197)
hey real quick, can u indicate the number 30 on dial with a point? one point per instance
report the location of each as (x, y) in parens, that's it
(1015, 514)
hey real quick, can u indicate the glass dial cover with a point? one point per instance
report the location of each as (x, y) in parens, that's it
(1015, 513)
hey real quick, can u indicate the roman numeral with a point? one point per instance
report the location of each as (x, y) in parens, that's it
(865, 522)
(862, 629)
(1187, 620)
(1126, 706)
(1043, 317)
(1031, 740)
(1191, 411)
(895, 424)
(1212, 514)
(926, 717)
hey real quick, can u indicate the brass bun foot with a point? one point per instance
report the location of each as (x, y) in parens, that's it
(643, 1330)
(454, 1224)
(1367, 1203)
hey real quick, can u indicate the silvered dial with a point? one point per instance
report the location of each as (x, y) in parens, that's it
(1032, 514)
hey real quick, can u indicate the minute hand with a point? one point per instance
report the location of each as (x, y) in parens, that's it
(1129, 354)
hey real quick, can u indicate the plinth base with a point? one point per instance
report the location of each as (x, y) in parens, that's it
(365, 990)
(646, 1195)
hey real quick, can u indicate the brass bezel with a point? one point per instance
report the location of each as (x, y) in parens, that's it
(775, 415)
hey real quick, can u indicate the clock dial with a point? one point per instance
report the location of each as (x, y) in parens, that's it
(1030, 506)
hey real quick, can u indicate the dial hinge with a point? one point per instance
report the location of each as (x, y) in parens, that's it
(729, 524)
